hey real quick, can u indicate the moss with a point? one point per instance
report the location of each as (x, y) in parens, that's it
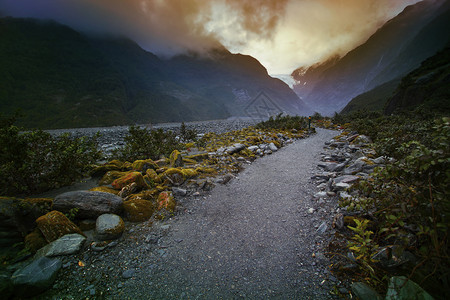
(104, 189)
(140, 165)
(153, 176)
(129, 178)
(277, 143)
(44, 204)
(114, 165)
(35, 241)
(175, 159)
(110, 176)
(174, 175)
(188, 161)
(163, 162)
(206, 170)
(166, 201)
(138, 210)
(55, 224)
(198, 157)
(189, 173)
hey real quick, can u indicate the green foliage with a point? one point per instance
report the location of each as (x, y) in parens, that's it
(284, 123)
(409, 198)
(143, 144)
(187, 135)
(35, 161)
(363, 246)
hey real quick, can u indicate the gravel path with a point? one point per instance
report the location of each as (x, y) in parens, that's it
(252, 238)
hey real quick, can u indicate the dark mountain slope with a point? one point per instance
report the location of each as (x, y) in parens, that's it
(428, 86)
(61, 78)
(394, 50)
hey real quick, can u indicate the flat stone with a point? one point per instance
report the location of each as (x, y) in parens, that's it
(65, 245)
(90, 204)
(400, 288)
(127, 274)
(36, 277)
(346, 179)
(341, 186)
(320, 194)
(253, 148)
(363, 291)
(179, 191)
(322, 228)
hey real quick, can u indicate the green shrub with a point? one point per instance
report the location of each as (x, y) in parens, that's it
(141, 143)
(409, 199)
(284, 123)
(35, 161)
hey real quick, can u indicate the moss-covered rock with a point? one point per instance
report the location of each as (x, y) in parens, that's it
(189, 173)
(166, 201)
(55, 224)
(35, 240)
(197, 157)
(114, 165)
(153, 176)
(138, 210)
(129, 178)
(109, 227)
(163, 162)
(174, 175)
(104, 189)
(110, 176)
(175, 158)
(143, 165)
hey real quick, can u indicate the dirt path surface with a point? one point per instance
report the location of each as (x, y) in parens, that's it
(252, 238)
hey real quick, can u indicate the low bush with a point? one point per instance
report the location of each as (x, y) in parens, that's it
(35, 161)
(284, 123)
(141, 143)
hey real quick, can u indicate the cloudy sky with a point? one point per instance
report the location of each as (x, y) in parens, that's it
(281, 34)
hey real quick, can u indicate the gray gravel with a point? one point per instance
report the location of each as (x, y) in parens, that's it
(255, 237)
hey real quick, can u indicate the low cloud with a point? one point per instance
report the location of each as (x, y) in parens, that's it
(282, 34)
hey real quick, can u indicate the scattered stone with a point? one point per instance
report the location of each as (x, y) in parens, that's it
(109, 227)
(127, 274)
(235, 148)
(338, 221)
(392, 256)
(272, 147)
(322, 228)
(55, 225)
(36, 277)
(400, 288)
(320, 195)
(65, 245)
(363, 291)
(311, 210)
(89, 204)
(179, 191)
(225, 179)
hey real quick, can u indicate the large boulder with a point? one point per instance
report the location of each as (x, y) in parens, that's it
(55, 225)
(65, 245)
(89, 204)
(36, 277)
(109, 227)
(363, 291)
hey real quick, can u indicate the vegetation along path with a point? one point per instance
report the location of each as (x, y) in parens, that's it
(251, 238)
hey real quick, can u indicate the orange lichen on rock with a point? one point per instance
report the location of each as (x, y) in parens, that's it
(55, 224)
(127, 179)
(166, 201)
(138, 210)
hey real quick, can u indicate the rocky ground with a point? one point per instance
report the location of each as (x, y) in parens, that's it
(113, 137)
(262, 235)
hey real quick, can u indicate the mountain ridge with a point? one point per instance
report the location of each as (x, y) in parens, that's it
(61, 78)
(391, 52)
